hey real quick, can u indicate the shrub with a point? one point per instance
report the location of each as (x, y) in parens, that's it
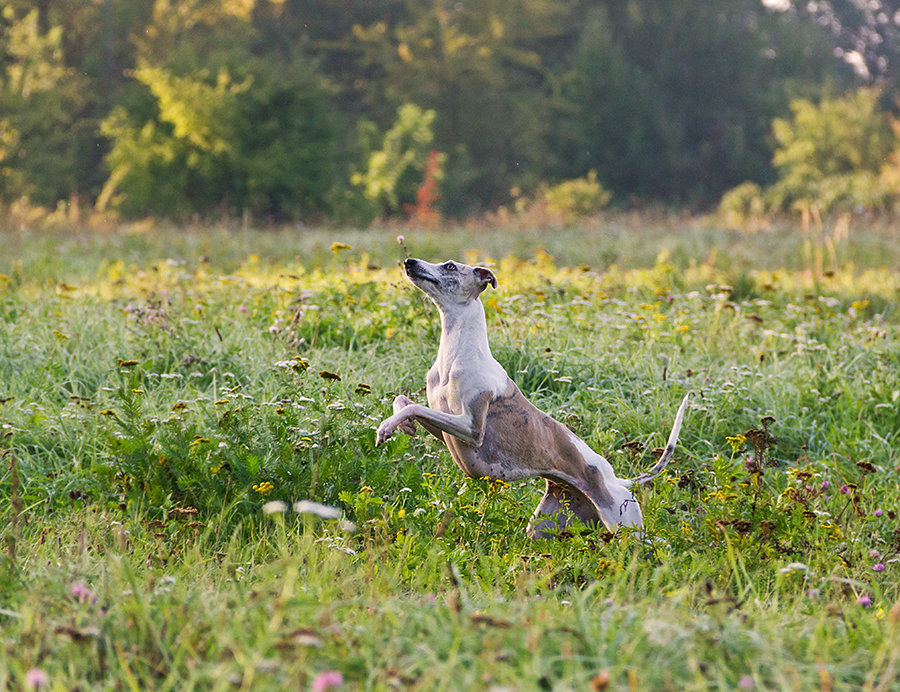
(743, 206)
(831, 154)
(394, 173)
(577, 198)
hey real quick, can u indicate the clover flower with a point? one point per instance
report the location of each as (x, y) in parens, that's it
(82, 593)
(326, 680)
(878, 567)
(36, 678)
(865, 601)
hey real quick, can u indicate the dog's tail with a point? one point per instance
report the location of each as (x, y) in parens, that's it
(666, 456)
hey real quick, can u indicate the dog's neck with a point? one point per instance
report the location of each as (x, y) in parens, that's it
(464, 334)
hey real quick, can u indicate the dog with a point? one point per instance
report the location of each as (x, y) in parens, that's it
(493, 431)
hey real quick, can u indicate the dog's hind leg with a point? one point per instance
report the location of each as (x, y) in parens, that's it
(560, 505)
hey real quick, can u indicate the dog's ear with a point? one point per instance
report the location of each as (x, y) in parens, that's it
(485, 276)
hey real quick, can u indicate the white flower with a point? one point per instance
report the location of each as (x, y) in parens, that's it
(274, 507)
(317, 508)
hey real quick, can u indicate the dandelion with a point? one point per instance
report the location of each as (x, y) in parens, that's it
(36, 678)
(401, 513)
(865, 601)
(878, 567)
(326, 680)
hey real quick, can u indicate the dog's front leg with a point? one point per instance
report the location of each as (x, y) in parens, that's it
(465, 427)
(409, 425)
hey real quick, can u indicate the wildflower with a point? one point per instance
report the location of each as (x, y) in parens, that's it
(274, 507)
(845, 490)
(877, 512)
(736, 442)
(874, 553)
(878, 567)
(317, 508)
(264, 487)
(794, 567)
(35, 678)
(82, 593)
(864, 600)
(336, 247)
(825, 485)
(326, 680)
(401, 513)
(746, 683)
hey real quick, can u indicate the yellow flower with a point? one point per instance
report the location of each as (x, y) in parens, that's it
(736, 442)
(264, 488)
(336, 247)
(401, 513)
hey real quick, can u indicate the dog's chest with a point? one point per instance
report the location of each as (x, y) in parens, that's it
(451, 386)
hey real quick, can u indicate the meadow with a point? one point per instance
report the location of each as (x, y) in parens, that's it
(160, 387)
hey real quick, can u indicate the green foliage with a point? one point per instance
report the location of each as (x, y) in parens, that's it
(743, 205)
(255, 141)
(396, 169)
(151, 409)
(578, 198)
(831, 154)
(239, 106)
(41, 107)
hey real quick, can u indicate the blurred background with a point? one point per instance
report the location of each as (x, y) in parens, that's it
(347, 111)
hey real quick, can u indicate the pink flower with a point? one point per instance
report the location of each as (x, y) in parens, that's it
(36, 678)
(864, 600)
(83, 593)
(825, 485)
(845, 490)
(877, 512)
(874, 553)
(878, 567)
(327, 680)
(746, 683)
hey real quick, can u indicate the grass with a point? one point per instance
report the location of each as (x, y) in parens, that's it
(158, 389)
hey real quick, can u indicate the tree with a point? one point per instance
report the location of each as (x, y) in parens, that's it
(217, 128)
(41, 99)
(832, 154)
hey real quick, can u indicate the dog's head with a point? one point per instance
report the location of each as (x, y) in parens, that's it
(449, 284)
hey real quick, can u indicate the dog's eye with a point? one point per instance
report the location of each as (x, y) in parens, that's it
(449, 266)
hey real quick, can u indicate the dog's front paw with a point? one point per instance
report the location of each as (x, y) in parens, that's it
(385, 430)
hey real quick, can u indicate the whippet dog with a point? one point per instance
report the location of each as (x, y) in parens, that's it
(493, 431)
